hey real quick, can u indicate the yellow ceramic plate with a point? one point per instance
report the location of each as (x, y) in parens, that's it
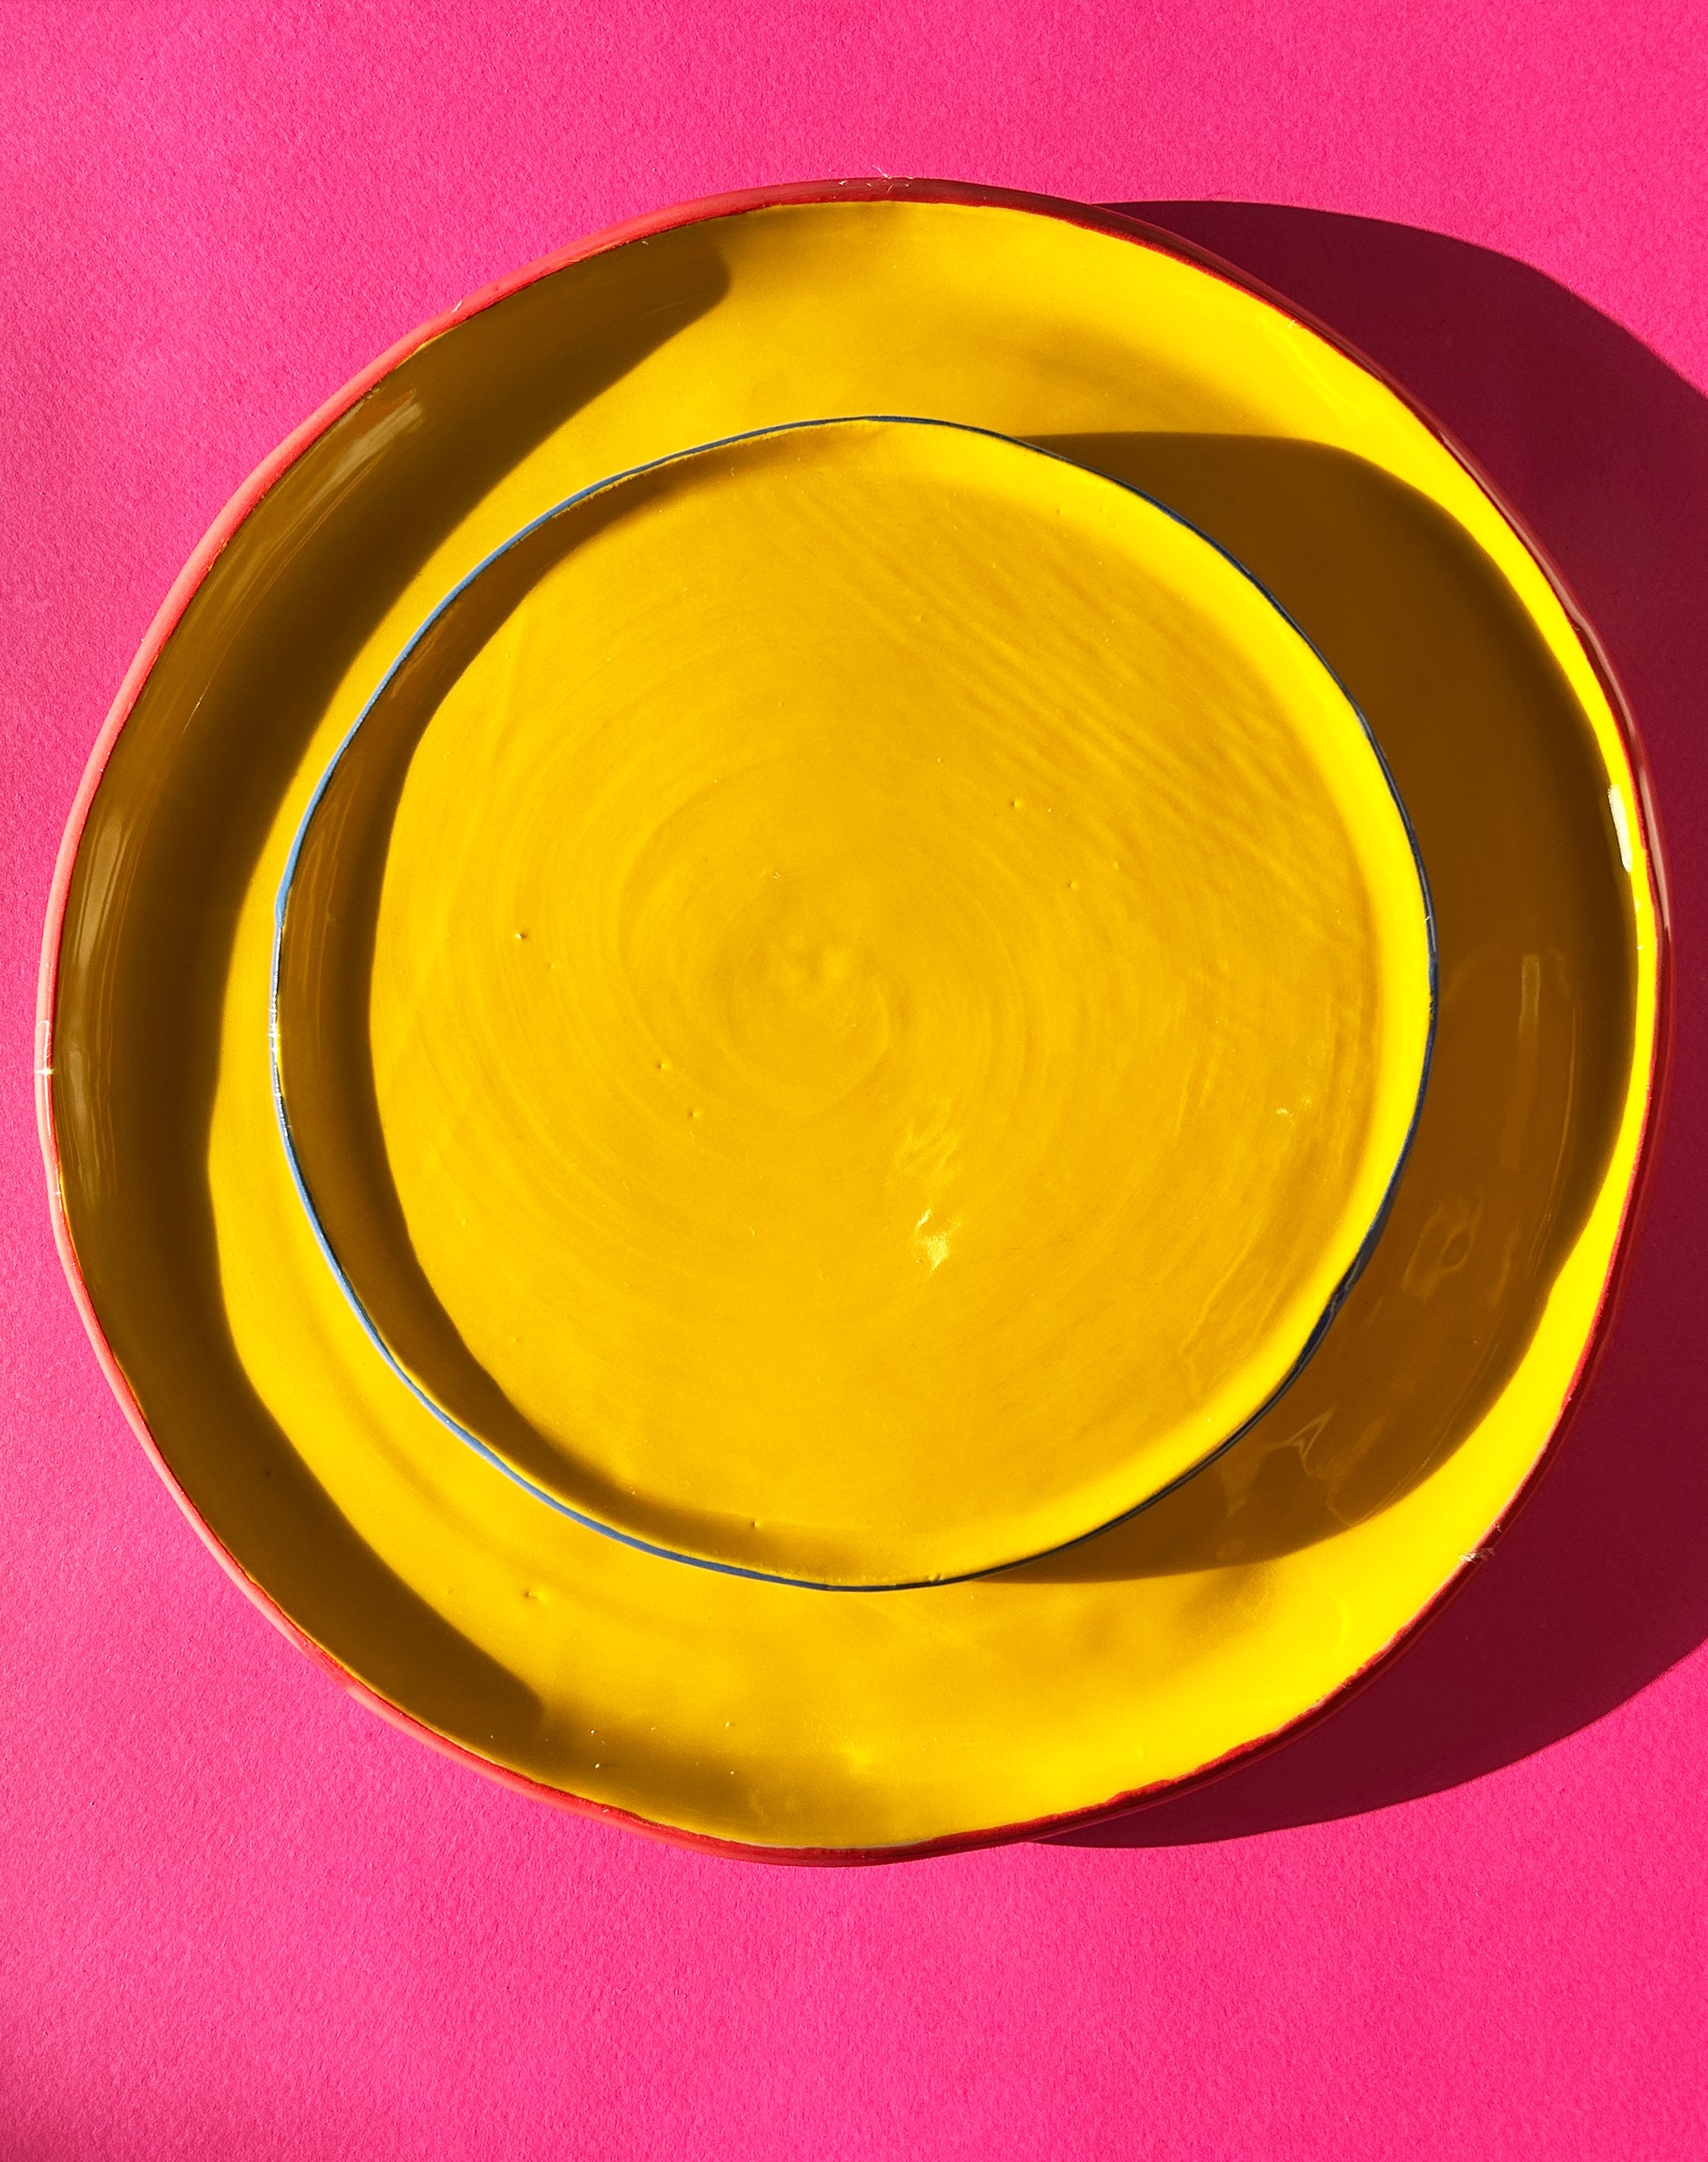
(850, 1007)
(711, 1706)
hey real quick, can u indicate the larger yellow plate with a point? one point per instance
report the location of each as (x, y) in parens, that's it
(778, 1720)
(851, 1007)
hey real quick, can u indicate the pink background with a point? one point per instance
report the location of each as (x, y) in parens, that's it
(239, 1916)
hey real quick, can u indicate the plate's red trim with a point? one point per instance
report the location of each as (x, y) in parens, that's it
(1118, 225)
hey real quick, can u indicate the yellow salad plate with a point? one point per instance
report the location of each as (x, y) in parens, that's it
(848, 1001)
(852, 1006)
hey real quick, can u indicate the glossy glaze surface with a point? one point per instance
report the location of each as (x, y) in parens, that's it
(853, 1002)
(791, 1719)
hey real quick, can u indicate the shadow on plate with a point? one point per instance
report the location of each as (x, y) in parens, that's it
(1600, 1582)
(283, 612)
(1506, 795)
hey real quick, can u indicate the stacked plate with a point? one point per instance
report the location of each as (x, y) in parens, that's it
(845, 1040)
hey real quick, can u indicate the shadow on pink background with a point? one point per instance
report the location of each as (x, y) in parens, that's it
(1601, 1581)
(239, 1917)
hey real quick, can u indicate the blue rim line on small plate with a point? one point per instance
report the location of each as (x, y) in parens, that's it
(484, 1450)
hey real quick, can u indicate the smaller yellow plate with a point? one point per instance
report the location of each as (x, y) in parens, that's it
(852, 1003)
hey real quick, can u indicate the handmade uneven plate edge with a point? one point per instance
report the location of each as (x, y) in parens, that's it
(1117, 225)
(1319, 1327)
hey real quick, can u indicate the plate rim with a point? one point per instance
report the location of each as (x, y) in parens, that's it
(1113, 224)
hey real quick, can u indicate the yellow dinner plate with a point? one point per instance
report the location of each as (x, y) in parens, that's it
(850, 1009)
(768, 1717)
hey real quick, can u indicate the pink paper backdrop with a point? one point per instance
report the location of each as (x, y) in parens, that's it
(238, 1916)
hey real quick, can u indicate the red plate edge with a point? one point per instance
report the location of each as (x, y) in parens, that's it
(1118, 225)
